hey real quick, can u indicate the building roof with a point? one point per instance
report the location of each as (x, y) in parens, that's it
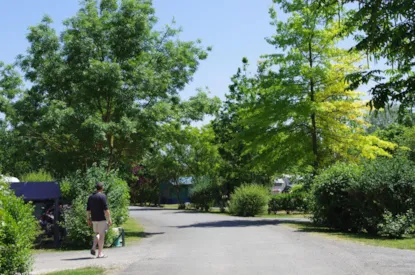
(184, 181)
(36, 191)
(9, 179)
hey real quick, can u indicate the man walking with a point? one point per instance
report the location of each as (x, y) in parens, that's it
(98, 216)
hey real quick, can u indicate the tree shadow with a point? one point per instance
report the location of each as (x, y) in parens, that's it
(238, 223)
(152, 209)
(79, 259)
(142, 234)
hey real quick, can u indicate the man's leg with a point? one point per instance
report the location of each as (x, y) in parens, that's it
(101, 241)
(96, 239)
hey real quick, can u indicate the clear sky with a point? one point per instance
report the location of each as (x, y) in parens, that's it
(235, 28)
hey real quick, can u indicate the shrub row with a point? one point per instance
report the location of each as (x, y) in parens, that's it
(296, 200)
(18, 229)
(249, 200)
(377, 197)
(77, 188)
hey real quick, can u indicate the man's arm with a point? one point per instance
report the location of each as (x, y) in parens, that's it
(108, 216)
(107, 211)
(88, 217)
(88, 213)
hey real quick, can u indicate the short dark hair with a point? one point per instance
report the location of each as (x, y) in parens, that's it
(99, 185)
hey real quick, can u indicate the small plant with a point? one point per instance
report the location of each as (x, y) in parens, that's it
(249, 200)
(398, 225)
(281, 202)
(77, 188)
(18, 229)
(39, 176)
(204, 193)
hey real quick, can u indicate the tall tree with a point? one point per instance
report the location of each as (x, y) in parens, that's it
(300, 113)
(101, 90)
(384, 29)
(183, 152)
(237, 167)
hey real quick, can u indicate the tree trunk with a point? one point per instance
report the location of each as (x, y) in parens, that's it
(313, 115)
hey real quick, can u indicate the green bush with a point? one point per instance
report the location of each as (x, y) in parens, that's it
(249, 200)
(384, 185)
(332, 204)
(300, 198)
(281, 202)
(296, 200)
(350, 198)
(18, 230)
(39, 176)
(204, 193)
(77, 188)
(397, 226)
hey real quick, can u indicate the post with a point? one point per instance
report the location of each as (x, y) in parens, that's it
(55, 222)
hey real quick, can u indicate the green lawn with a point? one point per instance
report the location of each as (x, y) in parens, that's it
(280, 214)
(408, 242)
(83, 271)
(283, 214)
(133, 231)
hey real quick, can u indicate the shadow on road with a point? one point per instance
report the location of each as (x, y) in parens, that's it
(142, 234)
(151, 209)
(241, 223)
(79, 259)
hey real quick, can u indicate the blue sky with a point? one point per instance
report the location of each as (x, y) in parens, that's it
(235, 28)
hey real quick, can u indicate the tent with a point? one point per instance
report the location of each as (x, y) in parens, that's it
(40, 192)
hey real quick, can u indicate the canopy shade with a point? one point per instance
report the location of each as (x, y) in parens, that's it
(36, 191)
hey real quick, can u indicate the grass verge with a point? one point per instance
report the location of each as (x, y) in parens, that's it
(280, 214)
(82, 271)
(133, 231)
(408, 242)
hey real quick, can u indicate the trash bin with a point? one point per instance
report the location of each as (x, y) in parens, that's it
(119, 240)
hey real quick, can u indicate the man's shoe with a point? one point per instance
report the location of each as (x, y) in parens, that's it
(92, 252)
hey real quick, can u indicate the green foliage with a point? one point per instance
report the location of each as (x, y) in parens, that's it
(18, 229)
(401, 135)
(295, 200)
(125, 74)
(300, 197)
(237, 167)
(332, 205)
(78, 233)
(39, 176)
(318, 120)
(281, 202)
(385, 185)
(205, 192)
(397, 226)
(182, 152)
(77, 188)
(249, 200)
(348, 197)
(383, 29)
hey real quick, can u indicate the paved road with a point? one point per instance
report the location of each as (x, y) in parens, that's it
(191, 243)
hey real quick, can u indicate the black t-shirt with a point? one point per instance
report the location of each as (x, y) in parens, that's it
(97, 204)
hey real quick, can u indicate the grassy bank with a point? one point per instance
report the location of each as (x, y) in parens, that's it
(279, 214)
(408, 242)
(133, 231)
(83, 271)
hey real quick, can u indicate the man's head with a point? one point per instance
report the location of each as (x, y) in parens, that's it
(99, 186)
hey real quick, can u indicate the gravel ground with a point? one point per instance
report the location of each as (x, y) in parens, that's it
(180, 242)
